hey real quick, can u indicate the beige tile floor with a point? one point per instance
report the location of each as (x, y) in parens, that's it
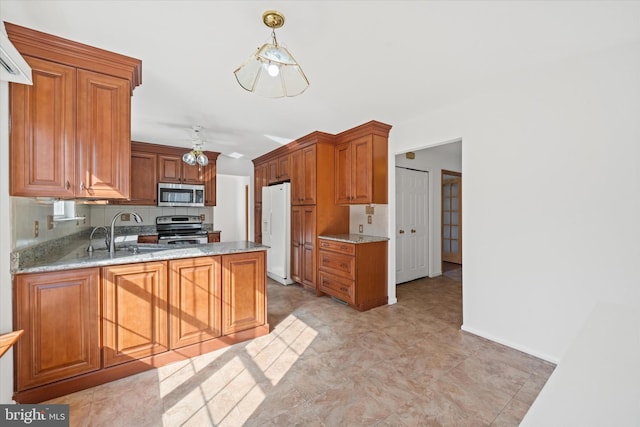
(325, 364)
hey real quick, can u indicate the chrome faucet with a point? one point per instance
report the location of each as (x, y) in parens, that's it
(106, 237)
(112, 234)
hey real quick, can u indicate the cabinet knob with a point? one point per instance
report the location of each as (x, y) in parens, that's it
(401, 231)
(343, 265)
(67, 185)
(344, 289)
(81, 186)
(413, 231)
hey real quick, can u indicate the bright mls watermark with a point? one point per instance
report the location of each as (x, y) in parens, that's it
(34, 415)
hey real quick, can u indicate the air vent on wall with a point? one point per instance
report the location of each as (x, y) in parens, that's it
(13, 67)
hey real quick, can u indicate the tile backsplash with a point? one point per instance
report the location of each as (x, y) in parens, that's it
(379, 220)
(26, 211)
(103, 214)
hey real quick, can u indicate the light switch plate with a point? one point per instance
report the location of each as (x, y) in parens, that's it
(369, 210)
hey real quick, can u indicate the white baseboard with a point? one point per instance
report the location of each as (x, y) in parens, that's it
(518, 347)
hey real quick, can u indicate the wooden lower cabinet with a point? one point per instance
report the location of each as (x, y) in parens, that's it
(354, 273)
(244, 292)
(134, 311)
(303, 252)
(60, 315)
(194, 300)
(140, 315)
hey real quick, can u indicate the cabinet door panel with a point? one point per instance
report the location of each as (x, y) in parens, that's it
(169, 168)
(43, 132)
(144, 172)
(343, 173)
(297, 178)
(192, 174)
(283, 168)
(210, 182)
(195, 286)
(272, 171)
(257, 223)
(309, 247)
(296, 243)
(103, 135)
(309, 175)
(134, 311)
(60, 314)
(243, 291)
(361, 164)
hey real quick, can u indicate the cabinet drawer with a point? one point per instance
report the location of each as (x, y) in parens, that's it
(342, 247)
(342, 265)
(338, 287)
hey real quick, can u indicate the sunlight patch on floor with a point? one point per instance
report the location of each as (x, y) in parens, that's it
(233, 384)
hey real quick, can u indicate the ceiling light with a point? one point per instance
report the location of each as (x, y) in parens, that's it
(236, 155)
(271, 71)
(196, 156)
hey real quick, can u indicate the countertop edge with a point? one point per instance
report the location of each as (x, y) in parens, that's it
(193, 251)
(354, 238)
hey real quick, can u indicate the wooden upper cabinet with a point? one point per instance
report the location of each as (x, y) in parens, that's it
(278, 169)
(70, 131)
(193, 174)
(303, 176)
(103, 136)
(60, 315)
(171, 168)
(210, 181)
(42, 150)
(361, 165)
(261, 179)
(144, 172)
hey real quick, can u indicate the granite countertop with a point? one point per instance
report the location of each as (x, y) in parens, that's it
(80, 258)
(354, 238)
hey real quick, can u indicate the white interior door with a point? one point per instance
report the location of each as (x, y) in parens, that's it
(412, 219)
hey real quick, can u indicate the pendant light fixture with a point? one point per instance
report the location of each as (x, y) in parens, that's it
(271, 71)
(196, 156)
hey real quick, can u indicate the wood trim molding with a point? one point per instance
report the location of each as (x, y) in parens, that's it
(370, 128)
(53, 48)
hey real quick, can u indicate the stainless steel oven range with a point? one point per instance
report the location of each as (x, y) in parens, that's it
(180, 230)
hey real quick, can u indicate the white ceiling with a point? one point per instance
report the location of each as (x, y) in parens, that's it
(366, 60)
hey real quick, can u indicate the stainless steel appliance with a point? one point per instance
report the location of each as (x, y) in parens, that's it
(180, 230)
(189, 195)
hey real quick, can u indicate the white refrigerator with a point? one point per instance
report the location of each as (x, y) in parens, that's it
(276, 231)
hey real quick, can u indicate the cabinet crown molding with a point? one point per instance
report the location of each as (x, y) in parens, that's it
(53, 48)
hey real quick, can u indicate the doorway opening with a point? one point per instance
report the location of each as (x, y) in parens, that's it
(440, 164)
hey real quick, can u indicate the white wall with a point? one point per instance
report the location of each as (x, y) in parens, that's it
(379, 220)
(229, 211)
(434, 160)
(551, 196)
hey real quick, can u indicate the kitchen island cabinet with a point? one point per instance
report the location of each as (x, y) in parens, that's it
(70, 130)
(157, 307)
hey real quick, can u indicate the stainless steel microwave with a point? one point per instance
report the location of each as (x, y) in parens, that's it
(186, 195)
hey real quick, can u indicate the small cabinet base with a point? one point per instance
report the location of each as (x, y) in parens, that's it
(354, 273)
